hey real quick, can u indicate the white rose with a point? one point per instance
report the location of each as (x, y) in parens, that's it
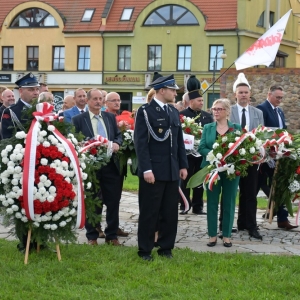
(47, 226)
(52, 189)
(14, 207)
(10, 201)
(230, 145)
(5, 160)
(62, 224)
(224, 139)
(20, 135)
(44, 161)
(252, 150)
(53, 227)
(44, 218)
(89, 185)
(19, 156)
(5, 203)
(4, 153)
(8, 148)
(237, 138)
(36, 224)
(219, 156)
(51, 128)
(18, 215)
(9, 211)
(42, 190)
(24, 219)
(50, 198)
(47, 183)
(15, 182)
(215, 145)
(242, 151)
(46, 144)
(18, 169)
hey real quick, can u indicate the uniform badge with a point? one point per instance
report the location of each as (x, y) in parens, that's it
(160, 130)
(158, 108)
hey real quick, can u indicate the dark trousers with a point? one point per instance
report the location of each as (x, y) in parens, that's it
(247, 200)
(157, 201)
(194, 167)
(109, 178)
(265, 177)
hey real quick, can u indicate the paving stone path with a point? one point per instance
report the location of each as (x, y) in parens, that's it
(192, 233)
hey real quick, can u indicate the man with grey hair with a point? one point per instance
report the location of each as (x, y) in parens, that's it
(8, 99)
(46, 97)
(185, 100)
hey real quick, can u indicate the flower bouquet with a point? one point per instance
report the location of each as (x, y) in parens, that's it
(233, 153)
(42, 180)
(125, 123)
(191, 128)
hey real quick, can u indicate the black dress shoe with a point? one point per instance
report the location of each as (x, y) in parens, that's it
(183, 212)
(234, 230)
(227, 245)
(212, 244)
(166, 255)
(254, 233)
(146, 257)
(199, 212)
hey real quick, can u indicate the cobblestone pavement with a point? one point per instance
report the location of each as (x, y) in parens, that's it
(192, 233)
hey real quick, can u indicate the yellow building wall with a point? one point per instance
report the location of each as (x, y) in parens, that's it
(45, 39)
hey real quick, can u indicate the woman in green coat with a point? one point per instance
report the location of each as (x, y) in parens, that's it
(228, 188)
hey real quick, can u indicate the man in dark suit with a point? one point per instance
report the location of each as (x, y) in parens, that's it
(194, 159)
(245, 115)
(8, 99)
(13, 120)
(162, 161)
(274, 117)
(91, 123)
(79, 107)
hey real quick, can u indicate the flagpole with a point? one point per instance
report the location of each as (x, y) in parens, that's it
(218, 78)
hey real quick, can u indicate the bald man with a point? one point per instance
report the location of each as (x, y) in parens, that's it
(68, 103)
(113, 103)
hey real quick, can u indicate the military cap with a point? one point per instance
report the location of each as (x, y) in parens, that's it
(29, 80)
(164, 82)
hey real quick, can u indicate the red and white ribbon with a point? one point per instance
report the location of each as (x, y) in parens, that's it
(97, 141)
(44, 113)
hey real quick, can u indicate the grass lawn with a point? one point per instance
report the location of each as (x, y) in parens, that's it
(107, 272)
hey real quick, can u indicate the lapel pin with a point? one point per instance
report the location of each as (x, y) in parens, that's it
(160, 130)
(158, 108)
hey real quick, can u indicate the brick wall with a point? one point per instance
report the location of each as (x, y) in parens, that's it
(260, 79)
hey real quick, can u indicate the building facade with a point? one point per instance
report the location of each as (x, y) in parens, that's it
(117, 45)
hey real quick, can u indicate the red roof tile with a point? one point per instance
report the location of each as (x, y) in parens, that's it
(70, 11)
(210, 8)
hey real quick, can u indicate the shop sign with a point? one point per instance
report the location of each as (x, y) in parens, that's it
(5, 77)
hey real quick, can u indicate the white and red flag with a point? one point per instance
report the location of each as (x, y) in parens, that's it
(264, 50)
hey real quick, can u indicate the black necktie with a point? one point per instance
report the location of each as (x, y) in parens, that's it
(82, 111)
(276, 116)
(166, 109)
(243, 124)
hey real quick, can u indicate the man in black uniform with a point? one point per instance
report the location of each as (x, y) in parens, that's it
(13, 120)
(194, 158)
(162, 161)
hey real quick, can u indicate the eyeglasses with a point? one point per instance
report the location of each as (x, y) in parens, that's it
(218, 109)
(114, 101)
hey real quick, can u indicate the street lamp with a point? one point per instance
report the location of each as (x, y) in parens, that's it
(223, 56)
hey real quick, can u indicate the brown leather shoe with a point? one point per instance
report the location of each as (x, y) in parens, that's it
(101, 233)
(92, 242)
(286, 225)
(114, 242)
(122, 233)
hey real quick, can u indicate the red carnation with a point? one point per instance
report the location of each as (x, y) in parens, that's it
(243, 161)
(235, 153)
(230, 129)
(298, 171)
(237, 173)
(187, 130)
(6, 116)
(287, 154)
(223, 145)
(244, 130)
(93, 151)
(254, 157)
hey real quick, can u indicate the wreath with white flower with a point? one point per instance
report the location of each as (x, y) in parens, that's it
(40, 182)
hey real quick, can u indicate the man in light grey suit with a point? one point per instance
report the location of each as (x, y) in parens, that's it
(80, 106)
(244, 114)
